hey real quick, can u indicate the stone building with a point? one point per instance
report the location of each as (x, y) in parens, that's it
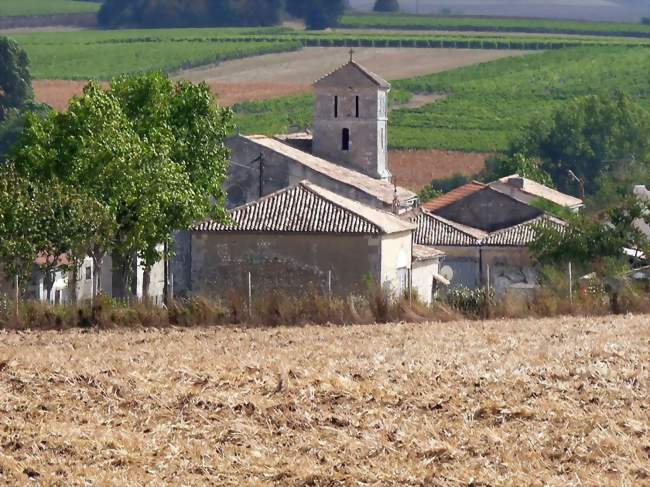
(485, 230)
(304, 237)
(345, 155)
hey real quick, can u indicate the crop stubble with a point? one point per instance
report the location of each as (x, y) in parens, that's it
(521, 402)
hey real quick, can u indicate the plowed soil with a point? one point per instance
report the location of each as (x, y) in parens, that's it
(558, 402)
(292, 73)
(415, 169)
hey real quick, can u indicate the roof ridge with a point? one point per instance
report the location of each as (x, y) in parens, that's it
(374, 77)
(308, 186)
(456, 226)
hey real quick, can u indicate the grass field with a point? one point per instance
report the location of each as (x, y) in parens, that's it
(102, 54)
(483, 24)
(12, 8)
(560, 402)
(486, 104)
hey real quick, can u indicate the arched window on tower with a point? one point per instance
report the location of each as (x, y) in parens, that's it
(356, 102)
(345, 139)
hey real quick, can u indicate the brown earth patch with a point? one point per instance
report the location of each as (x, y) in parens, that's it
(311, 63)
(414, 169)
(57, 93)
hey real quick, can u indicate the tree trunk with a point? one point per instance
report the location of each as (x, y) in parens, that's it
(98, 260)
(146, 281)
(73, 279)
(121, 278)
(48, 282)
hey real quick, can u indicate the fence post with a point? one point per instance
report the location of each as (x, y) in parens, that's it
(17, 299)
(250, 296)
(487, 266)
(329, 282)
(570, 283)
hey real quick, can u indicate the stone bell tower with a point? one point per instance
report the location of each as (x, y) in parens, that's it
(351, 120)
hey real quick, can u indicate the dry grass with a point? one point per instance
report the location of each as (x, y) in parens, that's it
(524, 402)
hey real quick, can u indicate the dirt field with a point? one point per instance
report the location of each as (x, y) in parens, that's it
(309, 64)
(414, 169)
(535, 402)
(273, 75)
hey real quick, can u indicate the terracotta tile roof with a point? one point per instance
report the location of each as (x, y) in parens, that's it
(520, 235)
(424, 252)
(434, 230)
(308, 208)
(383, 191)
(514, 184)
(453, 196)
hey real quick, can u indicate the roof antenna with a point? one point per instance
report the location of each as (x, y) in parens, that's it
(396, 204)
(351, 54)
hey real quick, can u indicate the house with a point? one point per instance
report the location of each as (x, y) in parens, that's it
(345, 155)
(303, 237)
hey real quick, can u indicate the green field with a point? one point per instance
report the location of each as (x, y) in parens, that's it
(487, 104)
(103, 54)
(483, 24)
(13, 8)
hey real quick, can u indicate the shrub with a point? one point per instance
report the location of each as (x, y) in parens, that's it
(386, 6)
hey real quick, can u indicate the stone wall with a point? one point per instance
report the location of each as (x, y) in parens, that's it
(279, 172)
(291, 262)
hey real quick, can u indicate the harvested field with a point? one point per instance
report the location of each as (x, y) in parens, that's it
(57, 93)
(524, 402)
(415, 169)
(311, 63)
(271, 76)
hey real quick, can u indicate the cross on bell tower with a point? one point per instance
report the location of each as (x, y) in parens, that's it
(351, 54)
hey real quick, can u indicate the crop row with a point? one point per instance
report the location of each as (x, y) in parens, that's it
(483, 24)
(487, 104)
(104, 61)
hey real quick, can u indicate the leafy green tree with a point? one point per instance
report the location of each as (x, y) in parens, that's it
(151, 152)
(20, 234)
(386, 6)
(527, 167)
(588, 242)
(189, 13)
(15, 79)
(317, 14)
(589, 136)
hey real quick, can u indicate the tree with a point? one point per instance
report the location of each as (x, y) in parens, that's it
(15, 79)
(20, 235)
(587, 241)
(189, 13)
(589, 136)
(386, 6)
(317, 14)
(527, 167)
(151, 153)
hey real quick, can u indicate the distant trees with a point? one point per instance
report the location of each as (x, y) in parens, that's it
(386, 6)
(148, 155)
(317, 14)
(15, 78)
(590, 136)
(189, 13)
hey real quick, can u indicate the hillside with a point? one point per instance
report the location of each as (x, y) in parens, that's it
(522, 402)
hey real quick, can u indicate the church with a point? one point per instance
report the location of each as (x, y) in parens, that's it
(315, 209)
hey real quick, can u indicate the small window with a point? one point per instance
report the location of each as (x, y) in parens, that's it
(336, 107)
(356, 102)
(345, 139)
(89, 273)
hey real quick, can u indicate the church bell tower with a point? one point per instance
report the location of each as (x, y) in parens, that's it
(351, 120)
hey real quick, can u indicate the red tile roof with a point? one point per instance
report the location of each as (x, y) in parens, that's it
(453, 196)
